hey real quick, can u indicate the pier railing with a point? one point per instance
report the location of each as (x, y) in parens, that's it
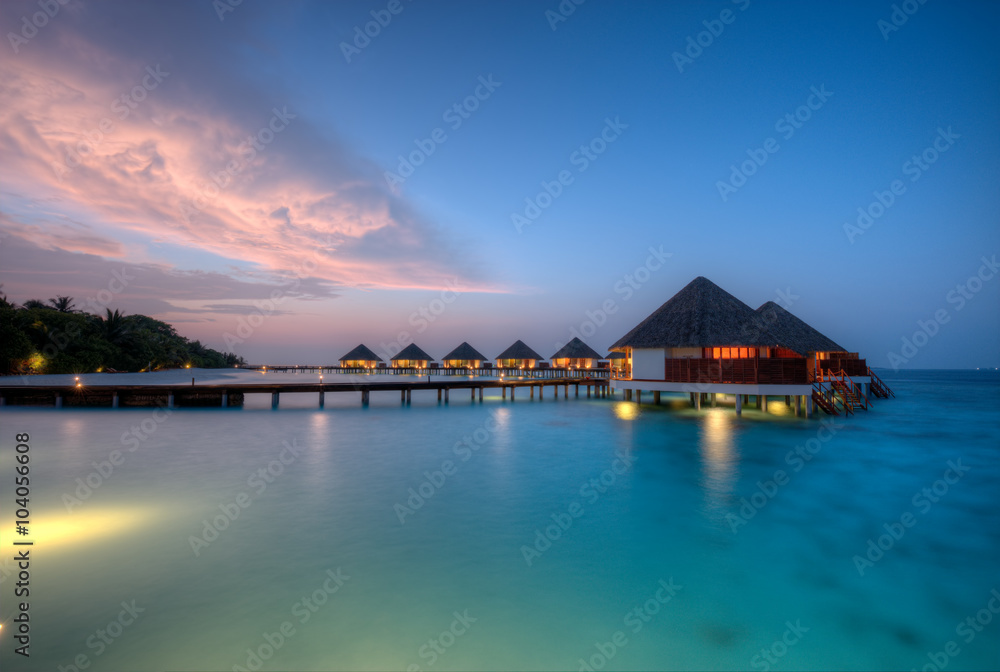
(493, 372)
(852, 366)
(766, 371)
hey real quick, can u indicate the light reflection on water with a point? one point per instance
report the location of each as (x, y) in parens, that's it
(461, 548)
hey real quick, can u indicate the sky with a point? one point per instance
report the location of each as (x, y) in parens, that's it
(287, 180)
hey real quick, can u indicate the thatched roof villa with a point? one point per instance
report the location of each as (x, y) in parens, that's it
(518, 356)
(706, 341)
(576, 355)
(463, 357)
(412, 357)
(360, 357)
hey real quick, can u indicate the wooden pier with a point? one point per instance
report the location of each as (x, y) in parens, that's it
(232, 394)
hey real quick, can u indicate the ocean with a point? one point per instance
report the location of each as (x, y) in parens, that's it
(555, 534)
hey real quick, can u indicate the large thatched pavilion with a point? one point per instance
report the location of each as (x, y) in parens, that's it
(518, 356)
(576, 355)
(412, 357)
(360, 357)
(463, 357)
(705, 341)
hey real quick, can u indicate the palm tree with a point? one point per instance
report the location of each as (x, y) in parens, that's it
(114, 326)
(35, 303)
(64, 304)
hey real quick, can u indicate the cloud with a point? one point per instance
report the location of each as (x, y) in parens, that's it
(142, 127)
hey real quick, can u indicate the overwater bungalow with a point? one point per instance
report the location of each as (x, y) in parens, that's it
(822, 353)
(518, 356)
(412, 357)
(360, 357)
(576, 355)
(704, 341)
(617, 362)
(463, 357)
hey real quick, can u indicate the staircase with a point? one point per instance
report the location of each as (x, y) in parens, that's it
(878, 386)
(821, 401)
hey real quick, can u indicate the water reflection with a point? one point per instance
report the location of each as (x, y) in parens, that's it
(626, 410)
(85, 526)
(719, 458)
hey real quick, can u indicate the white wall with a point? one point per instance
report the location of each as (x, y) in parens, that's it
(648, 364)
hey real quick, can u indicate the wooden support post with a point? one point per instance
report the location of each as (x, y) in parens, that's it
(798, 405)
(364, 397)
(541, 392)
(3, 400)
(697, 401)
(809, 406)
(439, 394)
(503, 391)
(758, 402)
(402, 396)
(409, 395)
(532, 393)
(739, 404)
(576, 390)
(114, 399)
(788, 400)
(274, 399)
(59, 400)
(565, 391)
(656, 397)
(588, 391)
(322, 399)
(472, 391)
(638, 396)
(763, 403)
(446, 391)
(480, 395)
(170, 400)
(714, 400)
(512, 388)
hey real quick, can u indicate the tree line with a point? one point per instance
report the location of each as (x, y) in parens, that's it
(55, 337)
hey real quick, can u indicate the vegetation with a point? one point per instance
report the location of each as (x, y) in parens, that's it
(54, 337)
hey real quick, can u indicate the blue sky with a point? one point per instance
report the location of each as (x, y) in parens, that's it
(377, 253)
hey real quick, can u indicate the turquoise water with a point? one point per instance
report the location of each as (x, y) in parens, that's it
(642, 570)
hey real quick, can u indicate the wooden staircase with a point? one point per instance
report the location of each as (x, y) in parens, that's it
(821, 401)
(878, 386)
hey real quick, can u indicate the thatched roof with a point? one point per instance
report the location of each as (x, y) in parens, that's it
(414, 353)
(464, 351)
(361, 353)
(793, 333)
(700, 315)
(617, 355)
(576, 349)
(519, 351)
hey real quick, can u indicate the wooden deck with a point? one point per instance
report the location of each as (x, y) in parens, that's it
(232, 394)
